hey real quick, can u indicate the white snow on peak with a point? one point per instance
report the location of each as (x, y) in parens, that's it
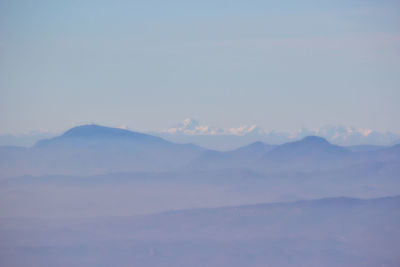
(246, 129)
(365, 132)
(193, 127)
(190, 124)
(335, 134)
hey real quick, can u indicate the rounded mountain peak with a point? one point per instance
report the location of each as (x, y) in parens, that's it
(312, 139)
(93, 130)
(94, 133)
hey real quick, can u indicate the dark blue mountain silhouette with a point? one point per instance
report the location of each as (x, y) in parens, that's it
(308, 154)
(90, 133)
(310, 146)
(94, 149)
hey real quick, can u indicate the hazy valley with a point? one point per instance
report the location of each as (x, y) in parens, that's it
(93, 189)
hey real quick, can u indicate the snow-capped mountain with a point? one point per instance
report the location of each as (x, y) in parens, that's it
(247, 130)
(193, 127)
(191, 130)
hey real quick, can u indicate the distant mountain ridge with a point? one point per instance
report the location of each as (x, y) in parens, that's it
(310, 145)
(93, 132)
(191, 131)
(311, 153)
(209, 136)
(169, 204)
(94, 149)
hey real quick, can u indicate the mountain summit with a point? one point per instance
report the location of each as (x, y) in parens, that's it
(93, 149)
(308, 154)
(314, 140)
(308, 146)
(95, 132)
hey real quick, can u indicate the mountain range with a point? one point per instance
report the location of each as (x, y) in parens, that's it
(94, 149)
(101, 196)
(191, 130)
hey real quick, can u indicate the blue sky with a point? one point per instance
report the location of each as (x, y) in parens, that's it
(150, 64)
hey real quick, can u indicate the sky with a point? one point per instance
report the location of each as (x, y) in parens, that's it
(149, 64)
